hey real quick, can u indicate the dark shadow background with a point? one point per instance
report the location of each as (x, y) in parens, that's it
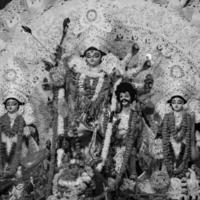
(3, 3)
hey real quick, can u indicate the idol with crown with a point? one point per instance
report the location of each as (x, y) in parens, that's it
(90, 72)
(19, 142)
(15, 92)
(89, 76)
(174, 148)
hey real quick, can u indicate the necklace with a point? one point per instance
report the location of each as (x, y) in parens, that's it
(168, 130)
(132, 134)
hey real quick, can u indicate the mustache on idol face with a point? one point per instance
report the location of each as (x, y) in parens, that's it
(125, 100)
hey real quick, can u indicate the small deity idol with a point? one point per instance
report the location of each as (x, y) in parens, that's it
(176, 135)
(123, 132)
(15, 116)
(11, 127)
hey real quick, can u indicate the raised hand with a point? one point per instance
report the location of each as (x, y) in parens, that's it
(135, 49)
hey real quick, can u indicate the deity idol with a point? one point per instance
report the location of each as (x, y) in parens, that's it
(176, 136)
(178, 147)
(90, 77)
(14, 122)
(123, 135)
(12, 126)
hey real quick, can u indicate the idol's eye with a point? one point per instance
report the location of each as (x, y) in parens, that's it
(88, 55)
(173, 102)
(11, 103)
(97, 55)
(121, 96)
(177, 101)
(127, 95)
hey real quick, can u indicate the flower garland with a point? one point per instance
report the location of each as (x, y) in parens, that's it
(84, 178)
(60, 128)
(80, 66)
(107, 141)
(74, 178)
(98, 87)
(179, 133)
(17, 127)
(81, 82)
(109, 129)
(169, 130)
(130, 138)
(105, 120)
(85, 78)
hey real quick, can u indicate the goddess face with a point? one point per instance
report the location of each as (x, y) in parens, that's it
(177, 104)
(93, 57)
(125, 98)
(12, 105)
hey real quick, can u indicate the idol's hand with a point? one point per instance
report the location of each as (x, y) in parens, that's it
(135, 49)
(111, 184)
(146, 65)
(59, 52)
(100, 166)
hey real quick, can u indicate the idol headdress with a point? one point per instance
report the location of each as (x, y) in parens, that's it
(92, 27)
(16, 82)
(175, 82)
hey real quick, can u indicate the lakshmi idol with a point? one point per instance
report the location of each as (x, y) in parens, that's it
(14, 121)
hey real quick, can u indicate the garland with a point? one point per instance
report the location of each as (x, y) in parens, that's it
(168, 130)
(74, 179)
(60, 127)
(109, 129)
(105, 120)
(106, 144)
(17, 127)
(84, 78)
(178, 133)
(130, 138)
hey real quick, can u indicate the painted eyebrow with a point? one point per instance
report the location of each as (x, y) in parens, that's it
(177, 101)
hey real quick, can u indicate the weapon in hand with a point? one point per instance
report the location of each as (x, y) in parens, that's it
(29, 31)
(55, 117)
(135, 49)
(105, 192)
(65, 28)
(59, 49)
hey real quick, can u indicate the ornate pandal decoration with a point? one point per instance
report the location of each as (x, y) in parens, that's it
(140, 24)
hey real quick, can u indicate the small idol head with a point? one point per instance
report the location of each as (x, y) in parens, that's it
(12, 105)
(177, 103)
(126, 94)
(93, 56)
